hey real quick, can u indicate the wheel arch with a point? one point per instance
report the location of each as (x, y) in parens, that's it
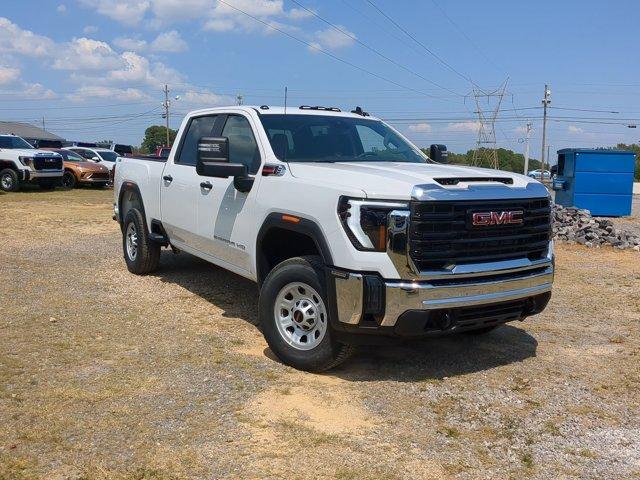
(303, 237)
(130, 197)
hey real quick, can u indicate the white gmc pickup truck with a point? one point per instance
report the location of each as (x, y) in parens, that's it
(21, 163)
(352, 233)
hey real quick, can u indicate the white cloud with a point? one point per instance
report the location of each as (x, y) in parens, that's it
(127, 12)
(98, 91)
(420, 127)
(131, 44)
(14, 39)
(168, 11)
(332, 39)
(37, 90)
(574, 129)
(204, 99)
(61, 8)
(87, 54)
(169, 42)
(8, 74)
(214, 15)
(220, 25)
(299, 13)
(90, 29)
(464, 127)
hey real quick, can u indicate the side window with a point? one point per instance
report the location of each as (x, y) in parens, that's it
(85, 154)
(242, 144)
(198, 127)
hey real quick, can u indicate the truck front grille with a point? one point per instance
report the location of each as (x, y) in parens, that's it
(442, 234)
(47, 163)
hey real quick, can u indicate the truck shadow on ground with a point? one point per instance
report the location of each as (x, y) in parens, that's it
(433, 358)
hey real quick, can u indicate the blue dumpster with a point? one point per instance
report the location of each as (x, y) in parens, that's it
(599, 180)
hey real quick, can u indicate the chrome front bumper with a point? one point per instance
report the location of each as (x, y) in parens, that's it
(474, 285)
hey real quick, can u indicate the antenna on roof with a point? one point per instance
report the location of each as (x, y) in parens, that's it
(285, 100)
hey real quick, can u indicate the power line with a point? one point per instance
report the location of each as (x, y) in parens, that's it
(424, 47)
(325, 52)
(377, 52)
(463, 33)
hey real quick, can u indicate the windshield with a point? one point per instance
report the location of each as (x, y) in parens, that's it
(74, 157)
(109, 156)
(14, 142)
(324, 138)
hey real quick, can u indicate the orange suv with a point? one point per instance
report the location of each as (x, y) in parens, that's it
(78, 170)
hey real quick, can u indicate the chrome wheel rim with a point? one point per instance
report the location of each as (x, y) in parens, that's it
(300, 315)
(7, 181)
(132, 241)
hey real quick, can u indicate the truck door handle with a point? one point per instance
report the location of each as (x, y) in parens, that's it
(168, 178)
(206, 185)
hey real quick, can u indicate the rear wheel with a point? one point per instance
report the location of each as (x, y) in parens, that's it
(141, 255)
(9, 180)
(69, 180)
(294, 316)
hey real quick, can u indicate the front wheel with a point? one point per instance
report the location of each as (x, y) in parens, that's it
(9, 180)
(141, 255)
(294, 316)
(69, 180)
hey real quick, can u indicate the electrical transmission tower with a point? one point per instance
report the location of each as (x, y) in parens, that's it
(485, 154)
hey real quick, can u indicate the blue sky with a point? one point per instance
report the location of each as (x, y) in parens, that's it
(95, 68)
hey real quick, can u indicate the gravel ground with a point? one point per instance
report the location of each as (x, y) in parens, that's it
(105, 375)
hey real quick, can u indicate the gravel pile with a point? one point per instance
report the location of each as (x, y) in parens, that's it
(574, 225)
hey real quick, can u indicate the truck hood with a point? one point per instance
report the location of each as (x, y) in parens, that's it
(26, 152)
(392, 180)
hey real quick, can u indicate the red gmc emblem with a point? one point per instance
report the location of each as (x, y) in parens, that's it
(484, 219)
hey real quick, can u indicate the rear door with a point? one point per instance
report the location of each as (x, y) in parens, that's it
(182, 189)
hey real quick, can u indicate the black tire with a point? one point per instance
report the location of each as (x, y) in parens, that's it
(9, 180)
(147, 254)
(328, 353)
(69, 180)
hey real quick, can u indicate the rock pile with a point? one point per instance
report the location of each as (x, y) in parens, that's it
(574, 225)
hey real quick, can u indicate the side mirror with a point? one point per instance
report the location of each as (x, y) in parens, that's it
(438, 153)
(213, 159)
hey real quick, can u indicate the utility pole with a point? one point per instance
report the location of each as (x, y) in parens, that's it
(43, 123)
(166, 104)
(545, 102)
(526, 150)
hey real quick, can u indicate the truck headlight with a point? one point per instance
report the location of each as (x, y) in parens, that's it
(26, 161)
(366, 221)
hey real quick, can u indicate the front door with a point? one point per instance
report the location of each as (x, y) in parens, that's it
(182, 190)
(225, 219)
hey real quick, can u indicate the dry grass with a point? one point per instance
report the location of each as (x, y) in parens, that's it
(104, 375)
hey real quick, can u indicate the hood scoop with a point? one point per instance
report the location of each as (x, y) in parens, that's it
(451, 181)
